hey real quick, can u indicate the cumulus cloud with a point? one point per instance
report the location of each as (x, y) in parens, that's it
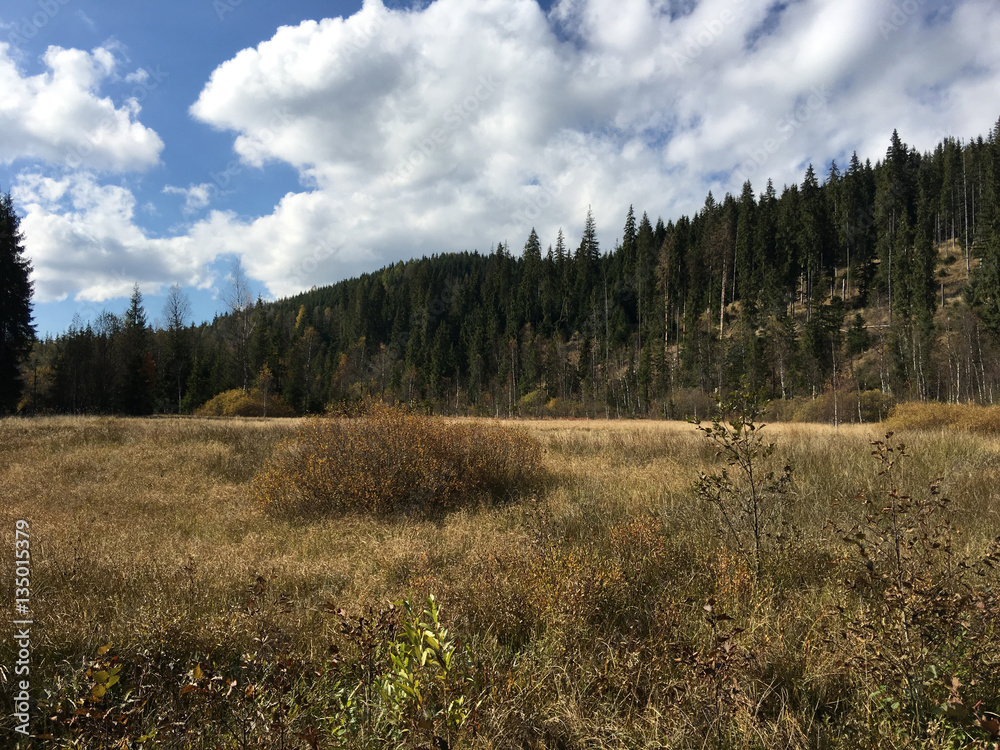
(58, 116)
(196, 197)
(83, 241)
(462, 123)
(454, 125)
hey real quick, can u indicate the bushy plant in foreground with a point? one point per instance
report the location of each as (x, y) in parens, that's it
(392, 678)
(388, 460)
(926, 615)
(748, 497)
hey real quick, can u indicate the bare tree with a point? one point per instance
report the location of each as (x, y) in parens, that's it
(176, 313)
(265, 385)
(177, 309)
(239, 301)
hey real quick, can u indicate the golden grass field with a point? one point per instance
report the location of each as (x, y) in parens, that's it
(590, 607)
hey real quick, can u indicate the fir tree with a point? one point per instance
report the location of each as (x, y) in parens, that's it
(16, 330)
(137, 371)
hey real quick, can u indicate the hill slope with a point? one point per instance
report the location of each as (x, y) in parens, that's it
(882, 279)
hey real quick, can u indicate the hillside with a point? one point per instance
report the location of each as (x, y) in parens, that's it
(837, 298)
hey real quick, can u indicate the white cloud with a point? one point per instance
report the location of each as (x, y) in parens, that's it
(456, 125)
(59, 116)
(86, 20)
(196, 197)
(83, 241)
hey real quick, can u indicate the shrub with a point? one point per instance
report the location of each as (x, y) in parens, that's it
(428, 687)
(389, 460)
(533, 404)
(874, 405)
(935, 415)
(846, 406)
(239, 403)
(926, 614)
(749, 500)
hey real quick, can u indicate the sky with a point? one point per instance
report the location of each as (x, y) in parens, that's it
(316, 140)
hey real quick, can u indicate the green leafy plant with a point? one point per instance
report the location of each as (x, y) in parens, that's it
(368, 638)
(427, 687)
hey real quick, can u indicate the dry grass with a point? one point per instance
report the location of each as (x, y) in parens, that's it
(934, 415)
(591, 608)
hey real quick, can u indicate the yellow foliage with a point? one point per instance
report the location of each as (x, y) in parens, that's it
(845, 406)
(934, 415)
(389, 460)
(239, 403)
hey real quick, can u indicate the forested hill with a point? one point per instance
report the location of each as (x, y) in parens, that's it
(856, 288)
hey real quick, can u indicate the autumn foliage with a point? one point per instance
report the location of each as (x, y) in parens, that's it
(239, 403)
(933, 415)
(389, 460)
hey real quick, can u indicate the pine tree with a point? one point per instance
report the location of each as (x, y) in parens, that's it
(765, 250)
(858, 230)
(984, 291)
(747, 269)
(586, 261)
(628, 251)
(590, 246)
(16, 331)
(816, 231)
(529, 295)
(137, 371)
(894, 204)
(788, 241)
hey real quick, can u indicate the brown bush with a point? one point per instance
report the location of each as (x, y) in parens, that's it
(935, 415)
(389, 460)
(239, 403)
(845, 407)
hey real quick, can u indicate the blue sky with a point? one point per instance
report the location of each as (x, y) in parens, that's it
(318, 140)
(180, 44)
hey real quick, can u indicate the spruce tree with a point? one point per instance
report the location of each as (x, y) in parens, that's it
(137, 373)
(984, 289)
(747, 269)
(16, 330)
(816, 232)
(529, 294)
(765, 262)
(628, 251)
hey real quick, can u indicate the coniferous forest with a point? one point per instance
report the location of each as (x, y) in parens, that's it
(853, 290)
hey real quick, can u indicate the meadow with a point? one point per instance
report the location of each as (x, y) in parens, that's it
(611, 604)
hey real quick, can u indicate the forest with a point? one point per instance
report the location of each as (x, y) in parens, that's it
(868, 285)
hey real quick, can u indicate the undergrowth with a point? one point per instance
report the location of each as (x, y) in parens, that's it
(240, 403)
(388, 461)
(935, 415)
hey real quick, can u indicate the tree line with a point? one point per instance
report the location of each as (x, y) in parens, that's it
(871, 282)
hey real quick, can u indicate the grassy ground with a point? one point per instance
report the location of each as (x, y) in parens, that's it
(608, 609)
